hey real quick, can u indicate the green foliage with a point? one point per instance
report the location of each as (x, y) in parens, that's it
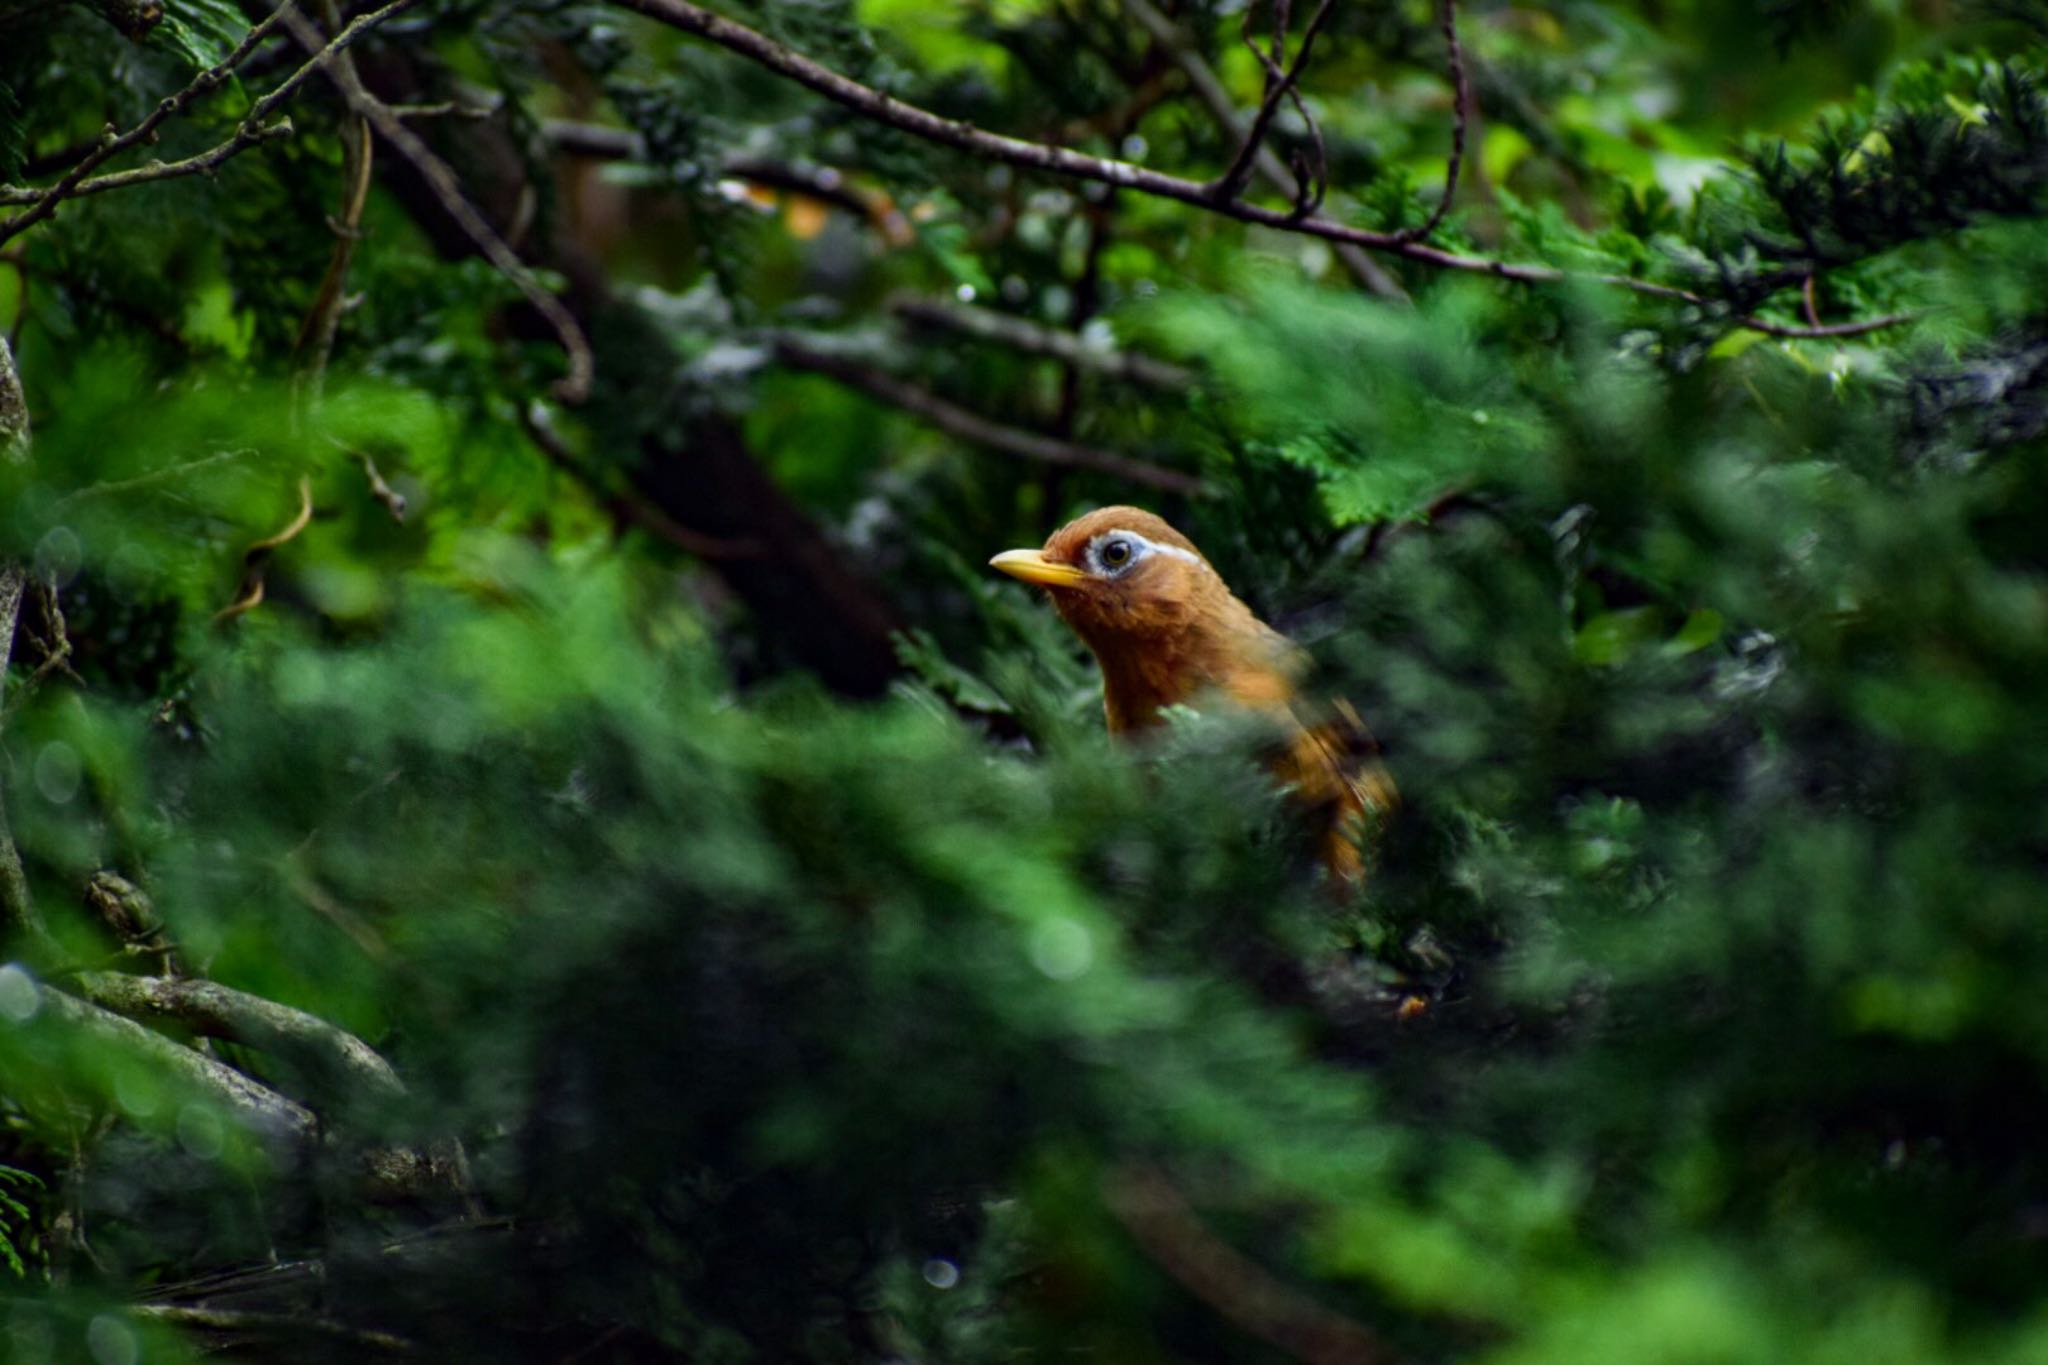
(1691, 1012)
(14, 1216)
(202, 31)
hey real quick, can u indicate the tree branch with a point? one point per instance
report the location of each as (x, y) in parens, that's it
(13, 410)
(218, 1011)
(601, 142)
(1280, 84)
(1461, 98)
(256, 559)
(254, 128)
(272, 1325)
(886, 109)
(971, 426)
(1269, 166)
(315, 341)
(387, 1171)
(1021, 334)
(1834, 329)
(258, 1107)
(246, 135)
(442, 181)
(17, 901)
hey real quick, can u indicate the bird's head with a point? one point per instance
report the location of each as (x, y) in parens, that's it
(1121, 576)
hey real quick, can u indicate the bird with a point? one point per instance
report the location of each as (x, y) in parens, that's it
(1167, 631)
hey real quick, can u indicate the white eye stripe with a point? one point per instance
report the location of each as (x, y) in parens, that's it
(1143, 546)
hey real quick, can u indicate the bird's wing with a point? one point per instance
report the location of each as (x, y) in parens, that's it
(1334, 766)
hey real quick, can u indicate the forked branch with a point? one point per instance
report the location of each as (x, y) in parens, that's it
(886, 109)
(259, 125)
(1282, 83)
(1461, 116)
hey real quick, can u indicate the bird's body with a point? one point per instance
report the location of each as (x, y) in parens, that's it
(1167, 631)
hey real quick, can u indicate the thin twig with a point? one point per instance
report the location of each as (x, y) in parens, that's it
(1278, 84)
(383, 492)
(169, 474)
(272, 1324)
(315, 341)
(56, 649)
(446, 187)
(885, 109)
(972, 426)
(1022, 334)
(256, 559)
(246, 135)
(254, 128)
(443, 109)
(1820, 333)
(44, 202)
(1217, 101)
(1461, 103)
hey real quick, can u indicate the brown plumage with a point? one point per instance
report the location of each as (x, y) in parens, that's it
(1167, 631)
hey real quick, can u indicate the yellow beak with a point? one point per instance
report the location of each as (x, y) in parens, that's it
(1033, 567)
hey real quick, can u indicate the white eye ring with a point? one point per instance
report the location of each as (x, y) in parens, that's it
(1140, 550)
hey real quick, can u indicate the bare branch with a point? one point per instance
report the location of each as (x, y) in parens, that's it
(887, 109)
(1021, 334)
(599, 141)
(259, 1108)
(256, 127)
(272, 1325)
(965, 137)
(218, 1011)
(392, 500)
(246, 135)
(971, 426)
(602, 142)
(574, 387)
(1821, 333)
(1280, 84)
(1269, 166)
(256, 559)
(1461, 97)
(17, 901)
(315, 341)
(13, 409)
(395, 1171)
(44, 202)
(56, 648)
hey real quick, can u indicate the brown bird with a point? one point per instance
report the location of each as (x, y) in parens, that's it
(1167, 631)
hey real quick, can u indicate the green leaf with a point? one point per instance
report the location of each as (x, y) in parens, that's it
(204, 32)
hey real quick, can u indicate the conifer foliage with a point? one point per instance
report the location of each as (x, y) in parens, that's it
(528, 833)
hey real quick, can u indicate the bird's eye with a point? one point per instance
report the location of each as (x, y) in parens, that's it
(1116, 553)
